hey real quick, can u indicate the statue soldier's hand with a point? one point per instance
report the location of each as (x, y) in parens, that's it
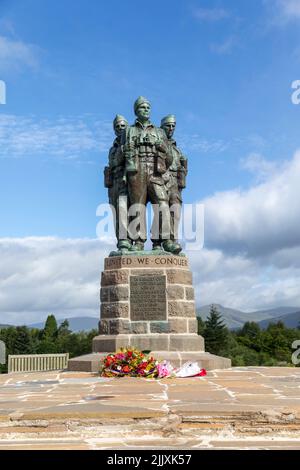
(161, 147)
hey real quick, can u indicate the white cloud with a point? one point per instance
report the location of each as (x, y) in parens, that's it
(210, 14)
(282, 12)
(49, 275)
(74, 137)
(259, 166)
(65, 137)
(197, 143)
(15, 54)
(251, 258)
(260, 220)
(244, 283)
(289, 9)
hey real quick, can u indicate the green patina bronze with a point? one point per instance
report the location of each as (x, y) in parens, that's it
(115, 181)
(145, 165)
(177, 177)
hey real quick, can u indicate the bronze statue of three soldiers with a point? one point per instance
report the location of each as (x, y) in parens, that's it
(145, 165)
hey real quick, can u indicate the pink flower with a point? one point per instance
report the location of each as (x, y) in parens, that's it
(120, 357)
(164, 369)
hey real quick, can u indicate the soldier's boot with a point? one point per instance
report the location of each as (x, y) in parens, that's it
(139, 246)
(172, 247)
(156, 246)
(177, 247)
(124, 245)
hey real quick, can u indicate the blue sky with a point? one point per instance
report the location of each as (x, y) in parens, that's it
(225, 68)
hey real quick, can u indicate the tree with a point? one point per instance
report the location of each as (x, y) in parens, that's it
(215, 332)
(63, 329)
(250, 329)
(23, 342)
(201, 326)
(50, 328)
(250, 336)
(48, 337)
(64, 338)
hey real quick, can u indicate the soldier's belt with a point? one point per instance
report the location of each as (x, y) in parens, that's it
(147, 159)
(143, 152)
(145, 144)
(146, 149)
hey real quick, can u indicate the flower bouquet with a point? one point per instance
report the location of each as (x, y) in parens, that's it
(129, 362)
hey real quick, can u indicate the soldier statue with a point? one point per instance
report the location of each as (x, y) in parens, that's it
(115, 181)
(177, 172)
(146, 163)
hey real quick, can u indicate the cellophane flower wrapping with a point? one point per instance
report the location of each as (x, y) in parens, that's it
(165, 369)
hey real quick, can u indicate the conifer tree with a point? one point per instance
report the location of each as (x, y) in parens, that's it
(63, 329)
(215, 332)
(50, 328)
(201, 326)
(23, 342)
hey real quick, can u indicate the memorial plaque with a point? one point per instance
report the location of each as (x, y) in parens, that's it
(148, 298)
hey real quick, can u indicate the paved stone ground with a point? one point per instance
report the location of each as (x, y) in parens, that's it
(249, 408)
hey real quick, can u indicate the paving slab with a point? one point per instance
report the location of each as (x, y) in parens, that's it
(255, 408)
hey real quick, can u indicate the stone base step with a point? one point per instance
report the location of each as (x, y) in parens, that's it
(149, 342)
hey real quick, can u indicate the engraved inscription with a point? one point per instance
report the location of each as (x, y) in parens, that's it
(119, 262)
(148, 298)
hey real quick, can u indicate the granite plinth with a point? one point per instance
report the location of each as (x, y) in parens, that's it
(148, 302)
(150, 299)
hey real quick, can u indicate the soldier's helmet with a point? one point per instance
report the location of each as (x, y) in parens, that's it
(169, 118)
(139, 101)
(118, 119)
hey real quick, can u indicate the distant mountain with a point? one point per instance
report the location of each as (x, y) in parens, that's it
(232, 318)
(235, 319)
(76, 323)
(4, 326)
(291, 320)
(279, 311)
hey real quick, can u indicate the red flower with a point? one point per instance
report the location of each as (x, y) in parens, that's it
(126, 369)
(109, 361)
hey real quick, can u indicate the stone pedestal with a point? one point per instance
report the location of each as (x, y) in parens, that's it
(148, 302)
